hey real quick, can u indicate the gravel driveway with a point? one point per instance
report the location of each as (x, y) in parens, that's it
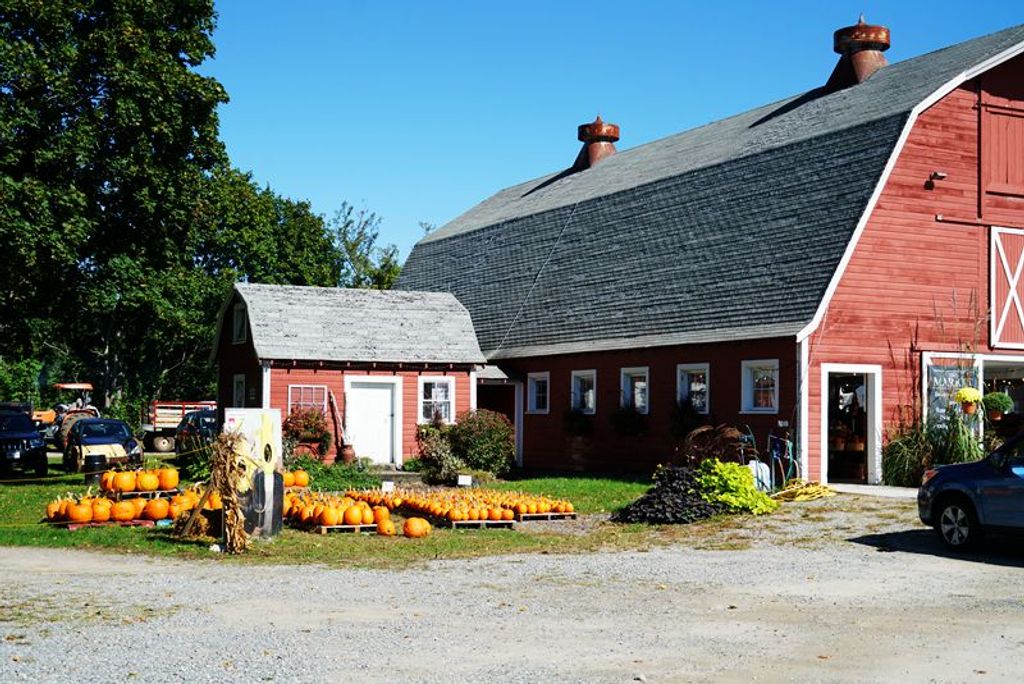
(820, 593)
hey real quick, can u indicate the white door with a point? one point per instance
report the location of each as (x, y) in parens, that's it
(369, 417)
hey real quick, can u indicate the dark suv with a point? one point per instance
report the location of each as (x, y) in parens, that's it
(962, 500)
(21, 447)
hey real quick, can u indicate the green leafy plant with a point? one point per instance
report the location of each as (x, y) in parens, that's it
(484, 440)
(997, 402)
(628, 422)
(906, 455)
(412, 465)
(337, 477)
(954, 440)
(440, 464)
(732, 485)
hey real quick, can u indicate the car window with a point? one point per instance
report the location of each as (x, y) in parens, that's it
(1014, 456)
(15, 423)
(117, 430)
(208, 422)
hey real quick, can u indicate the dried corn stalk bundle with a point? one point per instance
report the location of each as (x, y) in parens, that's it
(226, 475)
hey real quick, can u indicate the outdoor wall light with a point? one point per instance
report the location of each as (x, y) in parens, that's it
(937, 175)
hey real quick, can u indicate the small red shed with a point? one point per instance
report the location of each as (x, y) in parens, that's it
(376, 363)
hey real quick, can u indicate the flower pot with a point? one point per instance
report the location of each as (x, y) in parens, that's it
(969, 408)
(347, 453)
(995, 416)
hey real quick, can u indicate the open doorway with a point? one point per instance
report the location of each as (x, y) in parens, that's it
(851, 412)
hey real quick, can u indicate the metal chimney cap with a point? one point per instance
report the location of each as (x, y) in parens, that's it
(861, 36)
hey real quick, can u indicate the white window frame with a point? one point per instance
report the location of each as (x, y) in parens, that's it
(684, 370)
(238, 390)
(633, 372)
(424, 379)
(323, 408)
(592, 374)
(239, 324)
(531, 395)
(747, 384)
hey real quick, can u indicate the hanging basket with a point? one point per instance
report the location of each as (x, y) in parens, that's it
(969, 407)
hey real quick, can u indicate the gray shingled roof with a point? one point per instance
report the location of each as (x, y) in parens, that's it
(728, 231)
(337, 324)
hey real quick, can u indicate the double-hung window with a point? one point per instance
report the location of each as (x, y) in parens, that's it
(693, 386)
(538, 392)
(436, 399)
(760, 386)
(634, 388)
(584, 391)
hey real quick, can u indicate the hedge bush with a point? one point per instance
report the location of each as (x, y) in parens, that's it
(484, 440)
(732, 485)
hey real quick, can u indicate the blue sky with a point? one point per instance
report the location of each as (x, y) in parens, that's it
(419, 110)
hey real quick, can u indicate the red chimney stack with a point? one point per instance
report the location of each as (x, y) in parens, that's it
(860, 48)
(598, 140)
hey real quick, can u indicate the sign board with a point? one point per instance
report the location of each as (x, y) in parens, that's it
(387, 486)
(465, 480)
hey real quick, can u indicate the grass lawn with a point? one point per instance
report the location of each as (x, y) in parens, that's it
(22, 507)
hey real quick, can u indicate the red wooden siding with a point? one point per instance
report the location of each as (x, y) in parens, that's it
(334, 379)
(916, 283)
(545, 444)
(235, 359)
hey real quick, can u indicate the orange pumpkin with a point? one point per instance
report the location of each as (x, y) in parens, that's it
(107, 481)
(53, 510)
(301, 478)
(101, 510)
(173, 511)
(330, 516)
(156, 509)
(79, 513)
(147, 481)
(139, 505)
(380, 514)
(289, 478)
(123, 511)
(508, 514)
(368, 518)
(168, 478)
(213, 503)
(386, 528)
(494, 514)
(415, 528)
(353, 515)
(124, 481)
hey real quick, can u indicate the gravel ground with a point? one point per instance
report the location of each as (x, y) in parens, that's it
(816, 593)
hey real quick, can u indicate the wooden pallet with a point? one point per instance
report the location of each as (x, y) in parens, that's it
(110, 523)
(527, 517)
(481, 524)
(356, 529)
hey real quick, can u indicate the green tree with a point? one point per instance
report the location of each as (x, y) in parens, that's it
(362, 263)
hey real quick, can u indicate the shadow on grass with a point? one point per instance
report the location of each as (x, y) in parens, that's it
(994, 549)
(23, 479)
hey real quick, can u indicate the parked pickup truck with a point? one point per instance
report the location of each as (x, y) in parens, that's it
(161, 419)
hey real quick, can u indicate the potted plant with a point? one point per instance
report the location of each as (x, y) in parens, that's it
(968, 398)
(996, 404)
(308, 427)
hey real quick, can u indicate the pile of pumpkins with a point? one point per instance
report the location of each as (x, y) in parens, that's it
(308, 510)
(99, 509)
(296, 478)
(162, 479)
(458, 504)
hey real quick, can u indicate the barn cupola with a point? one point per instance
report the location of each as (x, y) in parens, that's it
(860, 49)
(598, 140)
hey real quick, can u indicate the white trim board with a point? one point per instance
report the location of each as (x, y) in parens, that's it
(437, 379)
(873, 448)
(396, 407)
(883, 180)
(804, 397)
(266, 384)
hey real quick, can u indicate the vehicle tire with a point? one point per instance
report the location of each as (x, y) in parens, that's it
(957, 523)
(42, 468)
(163, 444)
(70, 462)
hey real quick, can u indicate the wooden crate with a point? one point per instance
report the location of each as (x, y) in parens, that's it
(527, 517)
(157, 493)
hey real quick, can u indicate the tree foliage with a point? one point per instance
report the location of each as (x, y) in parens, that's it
(123, 221)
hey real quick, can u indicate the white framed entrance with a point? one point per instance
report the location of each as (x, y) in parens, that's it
(873, 411)
(373, 416)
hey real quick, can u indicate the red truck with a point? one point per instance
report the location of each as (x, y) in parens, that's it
(160, 419)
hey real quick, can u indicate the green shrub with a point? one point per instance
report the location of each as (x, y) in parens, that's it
(997, 401)
(484, 440)
(412, 465)
(732, 485)
(336, 477)
(440, 464)
(954, 440)
(19, 380)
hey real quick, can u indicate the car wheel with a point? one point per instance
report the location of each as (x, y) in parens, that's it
(957, 524)
(163, 444)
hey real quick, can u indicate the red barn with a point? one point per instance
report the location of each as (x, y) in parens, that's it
(375, 362)
(820, 267)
